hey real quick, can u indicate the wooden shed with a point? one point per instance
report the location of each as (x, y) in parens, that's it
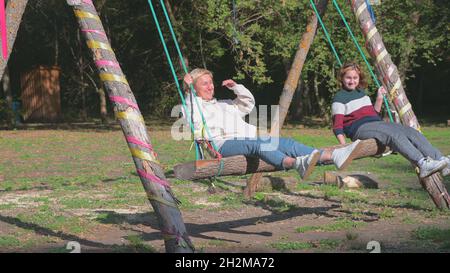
(41, 101)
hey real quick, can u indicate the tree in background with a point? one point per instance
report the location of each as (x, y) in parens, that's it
(251, 41)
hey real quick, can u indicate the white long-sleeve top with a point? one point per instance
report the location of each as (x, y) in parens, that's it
(224, 118)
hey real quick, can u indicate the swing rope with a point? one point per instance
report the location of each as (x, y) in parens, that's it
(205, 126)
(357, 45)
(169, 59)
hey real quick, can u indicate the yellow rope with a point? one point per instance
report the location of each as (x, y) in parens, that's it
(95, 44)
(130, 116)
(162, 201)
(371, 33)
(113, 78)
(143, 155)
(381, 55)
(84, 14)
(360, 10)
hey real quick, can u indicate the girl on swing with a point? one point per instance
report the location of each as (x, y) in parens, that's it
(355, 117)
(233, 136)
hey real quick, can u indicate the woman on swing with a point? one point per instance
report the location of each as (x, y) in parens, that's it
(233, 136)
(355, 117)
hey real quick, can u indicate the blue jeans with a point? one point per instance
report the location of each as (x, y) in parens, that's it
(271, 150)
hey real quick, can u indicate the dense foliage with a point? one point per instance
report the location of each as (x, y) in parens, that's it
(252, 41)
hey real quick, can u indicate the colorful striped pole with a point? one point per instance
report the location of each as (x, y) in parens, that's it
(127, 112)
(3, 30)
(384, 65)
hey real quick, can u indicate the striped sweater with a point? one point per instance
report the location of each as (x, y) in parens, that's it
(351, 109)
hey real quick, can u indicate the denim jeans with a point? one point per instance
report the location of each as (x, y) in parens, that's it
(271, 150)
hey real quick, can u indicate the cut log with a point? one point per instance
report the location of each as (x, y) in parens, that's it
(350, 179)
(233, 165)
(241, 165)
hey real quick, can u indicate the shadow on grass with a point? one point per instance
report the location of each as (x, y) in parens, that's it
(87, 245)
(48, 232)
(199, 230)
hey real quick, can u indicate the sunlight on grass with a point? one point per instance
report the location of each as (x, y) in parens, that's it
(341, 224)
(56, 181)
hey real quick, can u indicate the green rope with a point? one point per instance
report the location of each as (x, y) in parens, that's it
(169, 59)
(326, 33)
(175, 40)
(364, 57)
(176, 79)
(180, 55)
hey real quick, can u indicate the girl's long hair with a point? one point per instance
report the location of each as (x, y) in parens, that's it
(353, 66)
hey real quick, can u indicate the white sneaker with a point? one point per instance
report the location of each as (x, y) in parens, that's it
(342, 157)
(446, 170)
(429, 166)
(305, 164)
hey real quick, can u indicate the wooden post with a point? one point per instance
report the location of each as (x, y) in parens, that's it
(14, 12)
(386, 69)
(126, 110)
(390, 78)
(437, 191)
(290, 85)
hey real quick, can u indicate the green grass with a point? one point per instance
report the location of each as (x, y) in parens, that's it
(68, 171)
(291, 245)
(341, 224)
(329, 244)
(9, 241)
(432, 234)
(137, 244)
(324, 244)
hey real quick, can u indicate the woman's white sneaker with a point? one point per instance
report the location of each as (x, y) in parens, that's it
(428, 166)
(446, 170)
(342, 157)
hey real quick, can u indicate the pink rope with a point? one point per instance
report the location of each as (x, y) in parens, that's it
(138, 142)
(124, 101)
(153, 178)
(94, 31)
(3, 30)
(106, 63)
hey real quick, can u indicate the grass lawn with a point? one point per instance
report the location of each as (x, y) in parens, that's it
(79, 185)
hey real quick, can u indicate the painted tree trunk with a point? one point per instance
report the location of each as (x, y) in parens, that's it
(127, 111)
(290, 85)
(437, 191)
(386, 69)
(6, 82)
(390, 77)
(14, 12)
(240, 165)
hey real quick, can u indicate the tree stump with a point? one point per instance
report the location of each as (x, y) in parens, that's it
(350, 179)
